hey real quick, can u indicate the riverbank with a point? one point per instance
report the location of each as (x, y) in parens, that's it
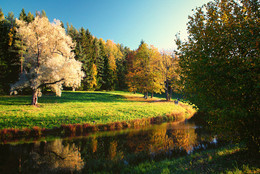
(227, 159)
(83, 111)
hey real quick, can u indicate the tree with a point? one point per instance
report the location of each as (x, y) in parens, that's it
(100, 62)
(131, 78)
(9, 62)
(156, 80)
(21, 49)
(22, 15)
(170, 70)
(48, 60)
(142, 69)
(110, 68)
(121, 65)
(85, 53)
(144, 73)
(220, 67)
(2, 16)
(29, 17)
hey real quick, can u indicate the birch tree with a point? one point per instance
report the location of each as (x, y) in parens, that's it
(49, 60)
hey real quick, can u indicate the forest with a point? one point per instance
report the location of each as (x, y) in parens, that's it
(106, 65)
(216, 69)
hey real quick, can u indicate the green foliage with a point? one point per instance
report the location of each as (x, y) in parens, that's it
(144, 70)
(30, 17)
(220, 67)
(80, 107)
(22, 15)
(9, 59)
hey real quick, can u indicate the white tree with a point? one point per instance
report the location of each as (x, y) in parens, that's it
(49, 60)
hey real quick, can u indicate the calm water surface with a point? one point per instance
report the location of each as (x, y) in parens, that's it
(104, 151)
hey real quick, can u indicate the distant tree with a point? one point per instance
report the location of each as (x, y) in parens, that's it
(2, 16)
(156, 80)
(9, 62)
(22, 15)
(220, 67)
(110, 68)
(43, 14)
(142, 69)
(62, 24)
(49, 60)
(19, 44)
(131, 77)
(85, 53)
(10, 18)
(29, 17)
(121, 65)
(100, 62)
(144, 73)
(72, 32)
(170, 72)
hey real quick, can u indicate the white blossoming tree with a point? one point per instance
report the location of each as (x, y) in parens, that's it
(49, 60)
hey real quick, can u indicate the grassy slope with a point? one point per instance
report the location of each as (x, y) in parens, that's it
(229, 159)
(80, 107)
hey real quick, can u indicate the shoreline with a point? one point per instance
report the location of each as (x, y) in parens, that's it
(80, 113)
(11, 135)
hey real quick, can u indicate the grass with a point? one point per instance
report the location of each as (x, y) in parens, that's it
(81, 108)
(228, 159)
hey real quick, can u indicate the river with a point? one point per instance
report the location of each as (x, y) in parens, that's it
(104, 151)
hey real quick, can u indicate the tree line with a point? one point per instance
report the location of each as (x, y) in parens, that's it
(216, 68)
(106, 65)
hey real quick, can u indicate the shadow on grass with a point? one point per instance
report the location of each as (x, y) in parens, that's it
(67, 97)
(211, 161)
(240, 160)
(15, 100)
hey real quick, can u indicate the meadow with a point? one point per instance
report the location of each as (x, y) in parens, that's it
(83, 107)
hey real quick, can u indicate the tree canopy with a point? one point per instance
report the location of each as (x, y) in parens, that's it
(107, 65)
(220, 67)
(48, 58)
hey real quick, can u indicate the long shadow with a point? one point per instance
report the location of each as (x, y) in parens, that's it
(15, 100)
(81, 97)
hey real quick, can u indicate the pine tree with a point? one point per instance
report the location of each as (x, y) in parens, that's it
(2, 16)
(121, 67)
(100, 62)
(9, 62)
(43, 14)
(23, 15)
(29, 17)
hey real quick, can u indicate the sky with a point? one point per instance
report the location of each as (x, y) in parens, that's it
(124, 21)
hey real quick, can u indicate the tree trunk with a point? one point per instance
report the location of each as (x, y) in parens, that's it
(35, 98)
(167, 90)
(152, 95)
(170, 93)
(146, 95)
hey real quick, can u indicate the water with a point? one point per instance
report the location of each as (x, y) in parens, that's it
(104, 151)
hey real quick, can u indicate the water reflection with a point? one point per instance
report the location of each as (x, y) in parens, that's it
(105, 151)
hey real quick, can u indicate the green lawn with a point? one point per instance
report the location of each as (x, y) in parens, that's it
(81, 107)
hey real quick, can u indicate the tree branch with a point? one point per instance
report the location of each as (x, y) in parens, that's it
(51, 83)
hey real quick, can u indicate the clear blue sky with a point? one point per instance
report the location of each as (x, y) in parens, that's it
(123, 21)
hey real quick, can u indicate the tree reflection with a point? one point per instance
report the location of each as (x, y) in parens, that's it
(54, 157)
(103, 152)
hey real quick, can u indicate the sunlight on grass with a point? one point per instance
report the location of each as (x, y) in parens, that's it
(82, 107)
